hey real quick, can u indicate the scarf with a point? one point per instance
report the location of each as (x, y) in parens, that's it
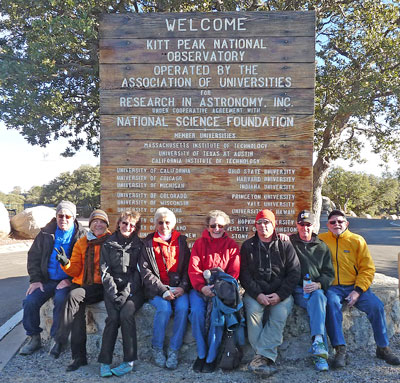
(88, 268)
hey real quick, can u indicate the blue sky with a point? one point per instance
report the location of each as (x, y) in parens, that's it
(25, 165)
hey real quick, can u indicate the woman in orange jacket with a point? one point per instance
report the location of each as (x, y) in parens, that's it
(86, 288)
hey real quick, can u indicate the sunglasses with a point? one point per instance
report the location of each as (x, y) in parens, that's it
(162, 223)
(214, 225)
(61, 216)
(304, 224)
(132, 225)
(263, 222)
(339, 222)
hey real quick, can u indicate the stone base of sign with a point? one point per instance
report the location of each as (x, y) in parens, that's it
(296, 343)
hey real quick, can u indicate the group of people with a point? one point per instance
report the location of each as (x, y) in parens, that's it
(76, 268)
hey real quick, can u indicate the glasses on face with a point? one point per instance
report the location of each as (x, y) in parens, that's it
(66, 216)
(161, 223)
(307, 224)
(263, 222)
(337, 221)
(216, 225)
(128, 224)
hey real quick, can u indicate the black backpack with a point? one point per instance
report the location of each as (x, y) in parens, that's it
(230, 353)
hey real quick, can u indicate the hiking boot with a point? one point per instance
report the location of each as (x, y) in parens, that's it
(199, 364)
(57, 349)
(76, 363)
(159, 357)
(122, 369)
(262, 365)
(105, 370)
(340, 357)
(387, 355)
(319, 349)
(320, 363)
(33, 344)
(172, 360)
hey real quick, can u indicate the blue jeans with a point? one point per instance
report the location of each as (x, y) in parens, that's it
(205, 348)
(368, 303)
(316, 309)
(161, 318)
(34, 301)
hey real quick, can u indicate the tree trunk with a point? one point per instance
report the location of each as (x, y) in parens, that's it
(320, 171)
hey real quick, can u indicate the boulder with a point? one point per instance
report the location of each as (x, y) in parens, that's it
(393, 217)
(357, 329)
(28, 223)
(327, 204)
(365, 215)
(5, 227)
(352, 214)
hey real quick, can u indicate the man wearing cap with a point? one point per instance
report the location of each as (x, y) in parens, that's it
(354, 273)
(315, 260)
(269, 272)
(87, 288)
(47, 279)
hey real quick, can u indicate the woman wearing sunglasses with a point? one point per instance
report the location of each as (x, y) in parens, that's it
(214, 249)
(164, 270)
(123, 293)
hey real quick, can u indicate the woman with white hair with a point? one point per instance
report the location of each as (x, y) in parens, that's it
(164, 269)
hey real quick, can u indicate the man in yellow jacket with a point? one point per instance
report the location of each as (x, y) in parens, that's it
(354, 273)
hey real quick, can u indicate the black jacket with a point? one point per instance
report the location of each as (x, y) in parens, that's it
(149, 269)
(119, 265)
(275, 271)
(42, 247)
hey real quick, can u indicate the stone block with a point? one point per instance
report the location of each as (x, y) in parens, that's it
(5, 227)
(297, 341)
(28, 223)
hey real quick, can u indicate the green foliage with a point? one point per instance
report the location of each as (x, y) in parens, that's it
(13, 200)
(363, 193)
(82, 187)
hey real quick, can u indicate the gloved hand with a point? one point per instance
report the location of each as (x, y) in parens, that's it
(61, 256)
(119, 301)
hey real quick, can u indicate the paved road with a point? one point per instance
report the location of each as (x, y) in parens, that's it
(13, 283)
(382, 236)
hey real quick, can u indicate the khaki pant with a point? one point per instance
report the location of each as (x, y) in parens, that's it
(265, 339)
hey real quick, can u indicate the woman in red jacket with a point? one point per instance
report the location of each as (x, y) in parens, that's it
(213, 249)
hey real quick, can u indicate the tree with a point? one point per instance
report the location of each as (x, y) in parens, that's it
(34, 195)
(359, 191)
(82, 187)
(49, 71)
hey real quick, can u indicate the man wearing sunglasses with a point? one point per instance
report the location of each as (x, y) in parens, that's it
(269, 272)
(315, 260)
(354, 273)
(47, 279)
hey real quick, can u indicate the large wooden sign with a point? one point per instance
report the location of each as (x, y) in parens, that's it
(203, 111)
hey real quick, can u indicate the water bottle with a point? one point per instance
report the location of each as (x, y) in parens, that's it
(306, 281)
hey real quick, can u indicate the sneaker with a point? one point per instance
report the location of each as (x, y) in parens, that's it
(340, 357)
(262, 365)
(199, 364)
(159, 357)
(321, 364)
(387, 355)
(319, 349)
(105, 370)
(33, 344)
(122, 369)
(172, 360)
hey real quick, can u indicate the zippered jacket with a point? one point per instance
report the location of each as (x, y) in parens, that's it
(119, 266)
(275, 271)
(351, 260)
(315, 259)
(149, 270)
(42, 247)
